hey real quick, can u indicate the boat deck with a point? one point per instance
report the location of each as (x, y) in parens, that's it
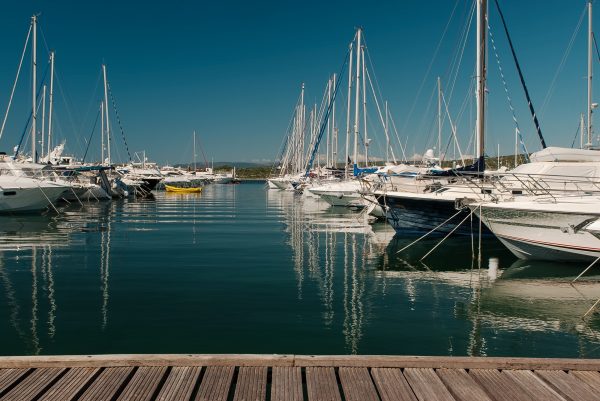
(296, 378)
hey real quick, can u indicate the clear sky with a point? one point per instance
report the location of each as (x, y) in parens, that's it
(232, 70)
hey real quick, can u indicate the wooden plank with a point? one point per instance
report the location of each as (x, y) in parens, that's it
(461, 385)
(179, 384)
(321, 384)
(357, 384)
(568, 386)
(9, 376)
(107, 384)
(33, 385)
(215, 383)
(591, 378)
(451, 362)
(106, 361)
(426, 385)
(502, 387)
(68, 386)
(143, 384)
(286, 384)
(533, 385)
(251, 384)
(392, 385)
(435, 362)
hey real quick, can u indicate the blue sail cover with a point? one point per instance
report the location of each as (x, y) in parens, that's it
(362, 171)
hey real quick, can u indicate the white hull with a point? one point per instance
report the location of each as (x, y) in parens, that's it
(554, 231)
(21, 194)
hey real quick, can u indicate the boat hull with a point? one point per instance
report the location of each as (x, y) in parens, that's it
(23, 200)
(542, 235)
(417, 216)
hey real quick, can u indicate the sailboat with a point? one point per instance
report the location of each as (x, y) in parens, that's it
(22, 186)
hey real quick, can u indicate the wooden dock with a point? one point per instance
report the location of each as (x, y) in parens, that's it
(296, 378)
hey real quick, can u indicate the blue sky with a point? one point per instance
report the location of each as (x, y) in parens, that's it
(232, 70)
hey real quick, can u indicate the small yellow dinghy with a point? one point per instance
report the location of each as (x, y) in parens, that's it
(180, 190)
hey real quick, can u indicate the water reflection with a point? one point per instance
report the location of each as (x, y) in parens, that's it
(501, 297)
(321, 237)
(192, 270)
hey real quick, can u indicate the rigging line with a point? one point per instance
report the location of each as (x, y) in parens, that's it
(39, 100)
(562, 63)
(379, 111)
(12, 93)
(435, 53)
(457, 62)
(91, 135)
(596, 45)
(402, 147)
(67, 102)
(576, 133)
(326, 117)
(529, 102)
(112, 98)
(508, 98)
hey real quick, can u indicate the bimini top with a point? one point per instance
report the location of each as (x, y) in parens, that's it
(556, 154)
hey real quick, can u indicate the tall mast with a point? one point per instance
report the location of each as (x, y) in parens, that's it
(481, 76)
(102, 132)
(334, 139)
(51, 102)
(439, 85)
(348, 113)
(43, 118)
(106, 112)
(357, 96)
(581, 131)
(588, 145)
(329, 135)
(364, 92)
(33, 87)
(194, 151)
(387, 136)
(301, 127)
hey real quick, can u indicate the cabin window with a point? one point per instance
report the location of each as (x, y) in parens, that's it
(486, 191)
(9, 193)
(517, 192)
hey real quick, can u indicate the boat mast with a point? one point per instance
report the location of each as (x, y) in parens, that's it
(357, 98)
(439, 85)
(334, 131)
(387, 136)
(102, 132)
(481, 78)
(106, 111)
(302, 130)
(194, 151)
(364, 92)
(43, 118)
(329, 135)
(33, 87)
(51, 101)
(348, 113)
(581, 131)
(588, 145)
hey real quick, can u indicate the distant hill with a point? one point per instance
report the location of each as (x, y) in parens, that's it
(221, 164)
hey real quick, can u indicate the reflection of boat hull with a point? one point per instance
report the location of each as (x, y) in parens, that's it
(342, 198)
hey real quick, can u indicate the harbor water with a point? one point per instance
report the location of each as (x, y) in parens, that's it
(244, 269)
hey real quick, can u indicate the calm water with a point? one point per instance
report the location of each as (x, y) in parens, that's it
(240, 269)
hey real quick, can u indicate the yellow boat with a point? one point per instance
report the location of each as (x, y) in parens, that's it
(180, 190)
